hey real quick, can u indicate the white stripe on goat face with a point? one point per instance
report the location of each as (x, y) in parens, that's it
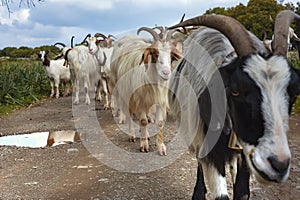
(92, 45)
(42, 55)
(272, 77)
(163, 64)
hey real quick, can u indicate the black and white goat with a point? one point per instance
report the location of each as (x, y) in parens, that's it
(57, 73)
(240, 88)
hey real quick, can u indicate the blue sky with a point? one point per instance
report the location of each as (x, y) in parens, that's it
(57, 20)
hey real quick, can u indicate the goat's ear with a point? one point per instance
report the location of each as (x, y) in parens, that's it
(98, 41)
(145, 57)
(217, 96)
(175, 54)
(206, 111)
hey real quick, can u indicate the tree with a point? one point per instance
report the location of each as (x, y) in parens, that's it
(28, 3)
(255, 16)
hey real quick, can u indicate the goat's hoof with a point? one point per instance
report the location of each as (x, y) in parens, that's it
(144, 149)
(162, 150)
(121, 121)
(106, 107)
(132, 139)
(76, 102)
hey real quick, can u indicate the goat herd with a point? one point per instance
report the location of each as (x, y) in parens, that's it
(225, 83)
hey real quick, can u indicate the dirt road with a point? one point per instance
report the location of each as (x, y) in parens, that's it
(72, 171)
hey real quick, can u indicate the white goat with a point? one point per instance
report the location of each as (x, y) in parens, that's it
(140, 72)
(103, 55)
(83, 66)
(57, 72)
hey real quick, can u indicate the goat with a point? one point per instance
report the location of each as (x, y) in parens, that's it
(57, 73)
(103, 55)
(139, 73)
(238, 88)
(83, 65)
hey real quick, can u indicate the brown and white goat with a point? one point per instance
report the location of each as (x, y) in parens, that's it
(140, 72)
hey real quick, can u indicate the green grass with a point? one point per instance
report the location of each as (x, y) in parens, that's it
(22, 82)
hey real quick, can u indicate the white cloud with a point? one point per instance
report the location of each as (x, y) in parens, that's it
(87, 5)
(20, 16)
(170, 3)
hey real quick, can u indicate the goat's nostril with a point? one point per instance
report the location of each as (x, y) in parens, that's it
(166, 71)
(279, 166)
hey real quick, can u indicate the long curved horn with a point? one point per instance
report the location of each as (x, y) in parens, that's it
(160, 28)
(162, 31)
(60, 43)
(100, 35)
(281, 30)
(170, 34)
(231, 28)
(72, 41)
(149, 30)
(84, 40)
(184, 29)
(109, 36)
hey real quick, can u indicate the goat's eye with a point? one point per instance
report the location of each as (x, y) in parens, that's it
(235, 93)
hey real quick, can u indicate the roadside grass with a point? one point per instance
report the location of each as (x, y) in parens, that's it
(22, 82)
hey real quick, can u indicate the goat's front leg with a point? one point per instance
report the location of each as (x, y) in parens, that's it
(52, 89)
(131, 129)
(216, 179)
(98, 91)
(67, 88)
(241, 189)
(56, 85)
(76, 85)
(105, 93)
(199, 189)
(144, 145)
(160, 121)
(122, 117)
(86, 89)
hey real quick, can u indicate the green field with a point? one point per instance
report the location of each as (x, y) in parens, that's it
(22, 82)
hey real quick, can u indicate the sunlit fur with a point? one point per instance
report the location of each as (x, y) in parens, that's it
(140, 85)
